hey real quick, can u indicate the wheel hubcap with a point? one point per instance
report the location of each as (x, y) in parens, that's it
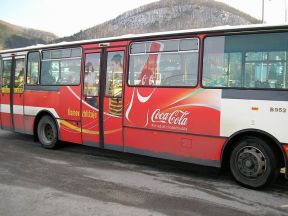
(48, 132)
(251, 162)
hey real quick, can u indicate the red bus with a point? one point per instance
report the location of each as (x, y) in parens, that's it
(216, 97)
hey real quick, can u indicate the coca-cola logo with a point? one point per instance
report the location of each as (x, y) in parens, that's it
(177, 117)
(151, 80)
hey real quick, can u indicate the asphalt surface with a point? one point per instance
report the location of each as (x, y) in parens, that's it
(79, 180)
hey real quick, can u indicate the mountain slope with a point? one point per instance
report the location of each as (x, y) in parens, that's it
(12, 36)
(166, 15)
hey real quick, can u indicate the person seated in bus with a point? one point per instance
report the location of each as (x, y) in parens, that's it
(73, 78)
(90, 80)
(46, 74)
(5, 83)
(115, 86)
(47, 78)
(19, 82)
(34, 80)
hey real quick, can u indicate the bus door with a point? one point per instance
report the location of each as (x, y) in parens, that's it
(6, 120)
(18, 93)
(113, 98)
(102, 102)
(90, 100)
(12, 93)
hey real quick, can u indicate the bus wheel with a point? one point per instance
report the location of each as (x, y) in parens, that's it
(47, 132)
(253, 163)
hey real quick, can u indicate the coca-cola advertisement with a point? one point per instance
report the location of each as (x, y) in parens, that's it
(190, 110)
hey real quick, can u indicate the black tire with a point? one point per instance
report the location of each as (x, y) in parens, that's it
(253, 163)
(47, 132)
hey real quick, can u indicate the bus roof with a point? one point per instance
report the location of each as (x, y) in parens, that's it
(254, 27)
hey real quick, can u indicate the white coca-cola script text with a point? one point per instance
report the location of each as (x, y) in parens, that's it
(177, 117)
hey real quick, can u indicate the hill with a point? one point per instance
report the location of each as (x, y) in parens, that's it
(12, 36)
(166, 15)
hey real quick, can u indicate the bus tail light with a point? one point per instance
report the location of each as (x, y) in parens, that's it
(286, 149)
(285, 170)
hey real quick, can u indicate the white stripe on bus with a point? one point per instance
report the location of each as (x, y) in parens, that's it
(27, 110)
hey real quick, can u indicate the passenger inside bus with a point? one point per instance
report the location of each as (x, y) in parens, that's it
(5, 83)
(90, 80)
(117, 72)
(114, 84)
(19, 81)
(46, 74)
(47, 78)
(73, 78)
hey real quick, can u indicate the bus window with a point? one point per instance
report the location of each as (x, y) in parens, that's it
(246, 61)
(47, 77)
(61, 67)
(114, 74)
(137, 64)
(33, 68)
(1, 65)
(178, 69)
(92, 73)
(165, 63)
(222, 69)
(19, 76)
(6, 76)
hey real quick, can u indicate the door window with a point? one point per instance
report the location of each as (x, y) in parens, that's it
(6, 76)
(92, 73)
(114, 79)
(114, 74)
(33, 66)
(19, 76)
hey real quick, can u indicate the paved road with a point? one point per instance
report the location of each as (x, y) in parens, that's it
(78, 180)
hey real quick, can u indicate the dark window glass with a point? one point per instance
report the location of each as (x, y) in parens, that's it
(114, 82)
(33, 66)
(137, 66)
(61, 72)
(165, 65)
(92, 73)
(46, 54)
(56, 54)
(61, 67)
(61, 53)
(137, 48)
(6, 76)
(114, 74)
(246, 61)
(49, 72)
(178, 69)
(162, 46)
(188, 44)
(76, 52)
(19, 75)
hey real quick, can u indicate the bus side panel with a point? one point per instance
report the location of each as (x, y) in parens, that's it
(178, 122)
(257, 109)
(61, 103)
(70, 131)
(18, 112)
(38, 100)
(113, 131)
(70, 114)
(29, 124)
(5, 111)
(180, 147)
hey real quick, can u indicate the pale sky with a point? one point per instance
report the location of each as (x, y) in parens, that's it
(66, 17)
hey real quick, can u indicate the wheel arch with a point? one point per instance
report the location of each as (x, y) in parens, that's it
(37, 119)
(271, 141)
